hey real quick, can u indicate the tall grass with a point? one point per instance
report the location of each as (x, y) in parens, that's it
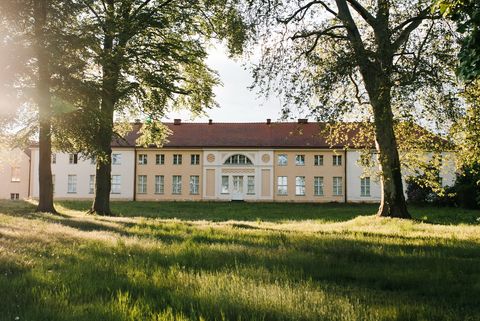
(78, 267)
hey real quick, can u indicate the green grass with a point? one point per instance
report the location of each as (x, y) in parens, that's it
(234, 261)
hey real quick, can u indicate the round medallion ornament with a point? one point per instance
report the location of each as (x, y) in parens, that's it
(210, 158)
(265, 158)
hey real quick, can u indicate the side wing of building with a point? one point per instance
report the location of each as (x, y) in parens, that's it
(14, 174)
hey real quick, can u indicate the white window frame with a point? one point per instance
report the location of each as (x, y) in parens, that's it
(116, 184)
(225, 184)
(177, 184)
(282, 185)
(300, 186)
(318, 160)
(142, 159)
(250, 185)
(14, 196)
(195, 159)
(91, 184)
(116, 159)
(159, 184)
(142, 184)
(337, 186)
(159, 159)
(73, 158)
(300, 160)
(318, 186)
(337, 160)
(194, 184)
(177, 159)
(72, 184)
(54, 158)
(365, 187)
(282, 160)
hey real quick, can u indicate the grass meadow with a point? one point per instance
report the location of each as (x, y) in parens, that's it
(238, 261)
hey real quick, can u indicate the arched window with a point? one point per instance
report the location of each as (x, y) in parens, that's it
(238, 159)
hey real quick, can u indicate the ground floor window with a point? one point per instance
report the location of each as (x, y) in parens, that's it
(116, 184)
(159, 184)
(365, 186)
(282, 184)
(72, 184)
(142, 184)
(177, 184)
(14, 196)
(194, 184)
(318, 185)
(300, 185)
(91, 184)
(251, 185)
(225, 185)
(337, 186)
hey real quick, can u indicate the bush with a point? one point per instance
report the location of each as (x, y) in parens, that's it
(422, 194)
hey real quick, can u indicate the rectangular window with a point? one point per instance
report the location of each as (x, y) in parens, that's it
(73, 158)
(93, 160)
(116, 184)
(159, 184)
(300, 160)
(194, 184)
(177, 159)
(72, 184)
(318, 160)
(282, 185)
(300, 185)
(224, 184)
(177, 184)
(116, 159)
(14, 196)
(54, 158)
(251, 185)
(53, 184)
(91, 184)
(159, 159)
(142, 159)
(142, 184)
(337, 160)
(195, 159)
(318, 185)
(365, 186)
(337, 186)
(282, 160)
(15, 174)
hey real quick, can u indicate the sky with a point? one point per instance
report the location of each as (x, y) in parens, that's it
(237, 102)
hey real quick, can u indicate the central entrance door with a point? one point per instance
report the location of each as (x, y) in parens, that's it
(237, 192)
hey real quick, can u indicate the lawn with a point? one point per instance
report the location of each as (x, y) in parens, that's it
(238, 261)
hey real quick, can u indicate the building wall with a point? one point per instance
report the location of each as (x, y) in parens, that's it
(14, 173)
(309, 170)
(83, 169)
(168, 170)
(354, 174)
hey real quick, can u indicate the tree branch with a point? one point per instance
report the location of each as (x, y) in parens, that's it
(367, 16)
(409, 25)
(325, 32)
(352, 31)
(97, 16)
(304, 9)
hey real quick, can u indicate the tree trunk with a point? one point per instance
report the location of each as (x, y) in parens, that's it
(393, 200)
(45, 202)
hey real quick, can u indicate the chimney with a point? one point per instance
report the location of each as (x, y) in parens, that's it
(269, 121)
(303, 121)
(177, 121)
(210, 121)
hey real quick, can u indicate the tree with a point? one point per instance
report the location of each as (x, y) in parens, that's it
(378, 60)
(142, 56)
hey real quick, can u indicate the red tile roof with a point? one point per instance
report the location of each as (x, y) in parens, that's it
(244, 135)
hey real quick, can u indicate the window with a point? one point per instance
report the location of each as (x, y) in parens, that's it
(318, 160)
(73, 158)
(53, 184)
(159, 159)
(91, 184)
(14, 196)
(282, 160)
(194, 184)
(238, 159)
(177, 159)
(282, 185)
(365, 186)
(337, 160)
(72, 184)
(177, 184)
(251, 185)
(54, 158)
(224, 184)
(195, 159)
(159, 184)
(142, 184)
(93, 160)
(300, 185)
(116, 184)
(15, 174)
(300, 160)
(318, 185)
(142, 159)
(337, 186)
(116, 159)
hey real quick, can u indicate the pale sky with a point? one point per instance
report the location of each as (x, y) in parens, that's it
(237, 102)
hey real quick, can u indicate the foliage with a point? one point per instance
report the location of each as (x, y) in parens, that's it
(467, 187)
(466, 13)
(73, 266)
(419, 192)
